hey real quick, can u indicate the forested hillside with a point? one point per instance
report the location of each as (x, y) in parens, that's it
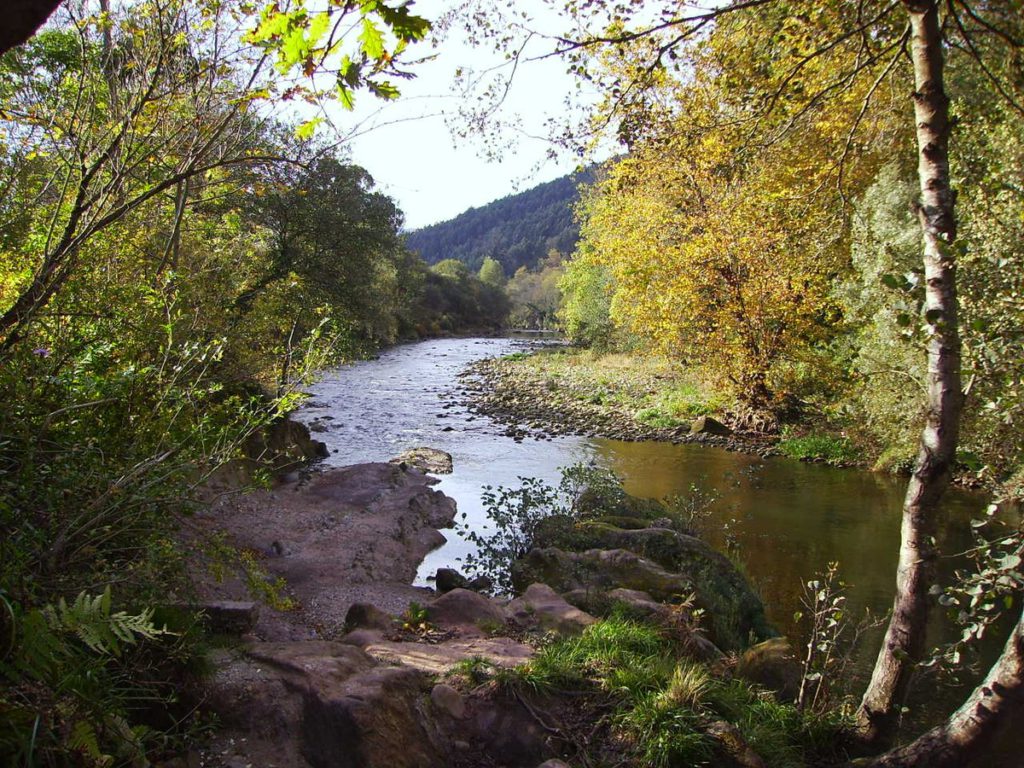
(517, 230)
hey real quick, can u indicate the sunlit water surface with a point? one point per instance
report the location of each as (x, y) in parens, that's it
(783, 520)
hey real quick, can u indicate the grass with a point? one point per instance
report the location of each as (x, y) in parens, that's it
(663, 703)
(836, 451)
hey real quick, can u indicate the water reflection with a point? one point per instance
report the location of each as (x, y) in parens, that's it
(787, 519)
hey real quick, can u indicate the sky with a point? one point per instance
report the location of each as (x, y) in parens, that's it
(433, 175)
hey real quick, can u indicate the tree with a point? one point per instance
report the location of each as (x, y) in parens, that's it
(904, 641)
(492, 273)
(772, 106)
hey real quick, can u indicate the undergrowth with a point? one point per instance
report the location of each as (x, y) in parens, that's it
(663, 705)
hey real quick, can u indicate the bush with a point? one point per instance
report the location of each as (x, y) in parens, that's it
(516, 514)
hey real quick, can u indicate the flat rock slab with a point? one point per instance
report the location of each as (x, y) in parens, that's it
(440, 658)
(354, 534)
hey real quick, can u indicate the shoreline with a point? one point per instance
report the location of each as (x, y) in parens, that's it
(529, 407)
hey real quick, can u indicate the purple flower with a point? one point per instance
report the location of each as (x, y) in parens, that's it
(41, 352)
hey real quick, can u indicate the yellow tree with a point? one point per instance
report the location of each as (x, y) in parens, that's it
(908, 38)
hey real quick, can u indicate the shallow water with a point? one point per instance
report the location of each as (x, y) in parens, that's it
(783, 520)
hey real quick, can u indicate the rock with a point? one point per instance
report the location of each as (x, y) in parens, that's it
(542, 606)
(592, 502)
(732, 749)
(464, 609)
(510, 735)
(448, 701)
(640, 603)
(324, 704)
(439, 658)
(480, 584)
(601, 570)
(367, 616)
(706, 425)
(229, 617)
(284, 445)
(426, 460)
(734, 610)
(447, 579)
(772, 664)
(553, 763)
(361, 638)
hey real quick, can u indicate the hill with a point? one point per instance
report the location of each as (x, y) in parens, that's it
(517, 230)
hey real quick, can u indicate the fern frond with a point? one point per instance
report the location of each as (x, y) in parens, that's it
(91, 621)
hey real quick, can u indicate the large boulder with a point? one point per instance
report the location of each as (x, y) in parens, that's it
(773, 665)
(706, 425)
(599, 570)
(465, 610)
(734, 610)
(541, 606)
(323, 704)
(604, 502)
(368, 616)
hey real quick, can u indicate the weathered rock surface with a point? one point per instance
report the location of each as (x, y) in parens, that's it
(599, 569)
(323, 705)
(706, 425)
(227, 617)
(349, 535)
(426, 460)
(734, 609)
(448, 701)
(772, 664)
(465, 610)
(541, 606)
(367, 616)
(732, 750)
(438, 658)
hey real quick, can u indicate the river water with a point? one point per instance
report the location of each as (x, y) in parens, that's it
(783, 520)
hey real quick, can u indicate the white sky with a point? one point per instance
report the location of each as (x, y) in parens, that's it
(434, 176)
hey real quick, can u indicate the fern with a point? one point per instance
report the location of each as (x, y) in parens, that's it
(91, 621)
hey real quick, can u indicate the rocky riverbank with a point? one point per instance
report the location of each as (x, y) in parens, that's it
(532, 402)
(347, 665)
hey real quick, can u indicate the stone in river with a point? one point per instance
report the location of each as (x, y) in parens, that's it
(426, 460)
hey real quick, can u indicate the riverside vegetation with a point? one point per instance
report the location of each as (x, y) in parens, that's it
(176, 263)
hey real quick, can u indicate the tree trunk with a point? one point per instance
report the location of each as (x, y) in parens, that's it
(971, 728)
(904, 642)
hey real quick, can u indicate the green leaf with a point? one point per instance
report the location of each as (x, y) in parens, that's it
(371, 40)
(308, 128)
(345, 96)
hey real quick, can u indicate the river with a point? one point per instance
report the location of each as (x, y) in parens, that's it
(783, 520)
